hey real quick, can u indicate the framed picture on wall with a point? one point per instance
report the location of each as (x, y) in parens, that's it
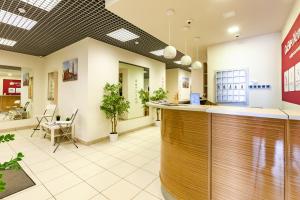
(185, 82)
(70, 70)
(26, 79)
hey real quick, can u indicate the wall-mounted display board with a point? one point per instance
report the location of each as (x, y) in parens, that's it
(11, 87)
(232, 86)
(291, 65)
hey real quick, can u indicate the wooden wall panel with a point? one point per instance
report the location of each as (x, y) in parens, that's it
(185, 154)
(247, 158)
(293, 161)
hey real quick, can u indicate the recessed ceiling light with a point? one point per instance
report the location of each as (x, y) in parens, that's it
(43, 4)
(178, 62)
(21, 10)
(16, 20)
(229, 14)
(233, 29)
(136, 42)
(123, 35)
(159, 52)
(7, 42)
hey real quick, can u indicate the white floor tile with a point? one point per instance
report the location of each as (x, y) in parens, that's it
(145, 196)
(52, 173)
(62, 183)
(88, 171)
(121, 191)
(108, 162)
(138, 160)
(155, 188)
(38, 167)
(141, 178)
(81, 191)
(123, 169)
(103, 180)
(77, 164)
(32, 193)
(99, 197)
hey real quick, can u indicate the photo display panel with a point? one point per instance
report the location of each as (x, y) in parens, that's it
(291, 65)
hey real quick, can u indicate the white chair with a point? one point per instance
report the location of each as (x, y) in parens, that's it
(47, 116)
(65, 130)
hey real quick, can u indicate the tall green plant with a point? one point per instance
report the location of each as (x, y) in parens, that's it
(145, 97)
(158, 95)
(12, 164)
(113, 105)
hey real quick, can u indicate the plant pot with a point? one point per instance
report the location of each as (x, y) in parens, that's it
(57, 118)
(113, 137)
(157, 123)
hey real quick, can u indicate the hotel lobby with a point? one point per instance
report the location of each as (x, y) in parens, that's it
(149, 100)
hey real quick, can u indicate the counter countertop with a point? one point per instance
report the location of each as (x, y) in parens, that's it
(293, 114)
(229, 110)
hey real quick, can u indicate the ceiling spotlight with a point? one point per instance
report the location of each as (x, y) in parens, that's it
(136, 42)
(186, 60)
(233, 29)
(21, 10)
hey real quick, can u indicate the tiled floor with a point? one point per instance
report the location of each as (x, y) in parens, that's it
(126, 169)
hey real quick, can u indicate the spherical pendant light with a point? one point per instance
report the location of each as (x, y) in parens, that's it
(170, 52)
(186, 60)
(197, 65)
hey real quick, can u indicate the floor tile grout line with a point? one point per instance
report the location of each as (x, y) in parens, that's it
(94, 162)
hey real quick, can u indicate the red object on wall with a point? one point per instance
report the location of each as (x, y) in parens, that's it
(9, 85)
(291, 64)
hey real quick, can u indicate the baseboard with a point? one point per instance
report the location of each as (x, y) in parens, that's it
(106, 138)
(16, 129)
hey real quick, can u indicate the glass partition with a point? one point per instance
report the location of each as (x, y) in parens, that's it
(134, 79)
(16, 93)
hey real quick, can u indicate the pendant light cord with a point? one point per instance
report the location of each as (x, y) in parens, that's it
(169, 31)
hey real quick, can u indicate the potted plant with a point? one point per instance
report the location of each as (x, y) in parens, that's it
(57, 117)
(144, 96)
(113, 105)
(9, 165)
(158, 95)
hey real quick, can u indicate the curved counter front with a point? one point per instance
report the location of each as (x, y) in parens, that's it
(224, 153)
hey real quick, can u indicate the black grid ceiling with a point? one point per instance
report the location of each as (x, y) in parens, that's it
(71, 21)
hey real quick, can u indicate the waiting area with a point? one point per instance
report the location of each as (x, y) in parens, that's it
(149, 100)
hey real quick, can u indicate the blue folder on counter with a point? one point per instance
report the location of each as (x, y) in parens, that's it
(195, 98)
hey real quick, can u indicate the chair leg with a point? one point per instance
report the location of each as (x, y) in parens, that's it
(36, 128)
(56, 147)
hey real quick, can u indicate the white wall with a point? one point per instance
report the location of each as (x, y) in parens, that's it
(197, 81)
(174, 84)
(184, 93)
(72, 94)
(36, 64)
(103, 62)
(293, 15)
(261, 55)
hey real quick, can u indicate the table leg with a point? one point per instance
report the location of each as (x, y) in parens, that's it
(52, 136)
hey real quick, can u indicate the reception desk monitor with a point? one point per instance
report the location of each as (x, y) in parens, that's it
(195, 98)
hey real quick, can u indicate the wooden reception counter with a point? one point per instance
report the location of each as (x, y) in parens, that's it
(229, 153)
